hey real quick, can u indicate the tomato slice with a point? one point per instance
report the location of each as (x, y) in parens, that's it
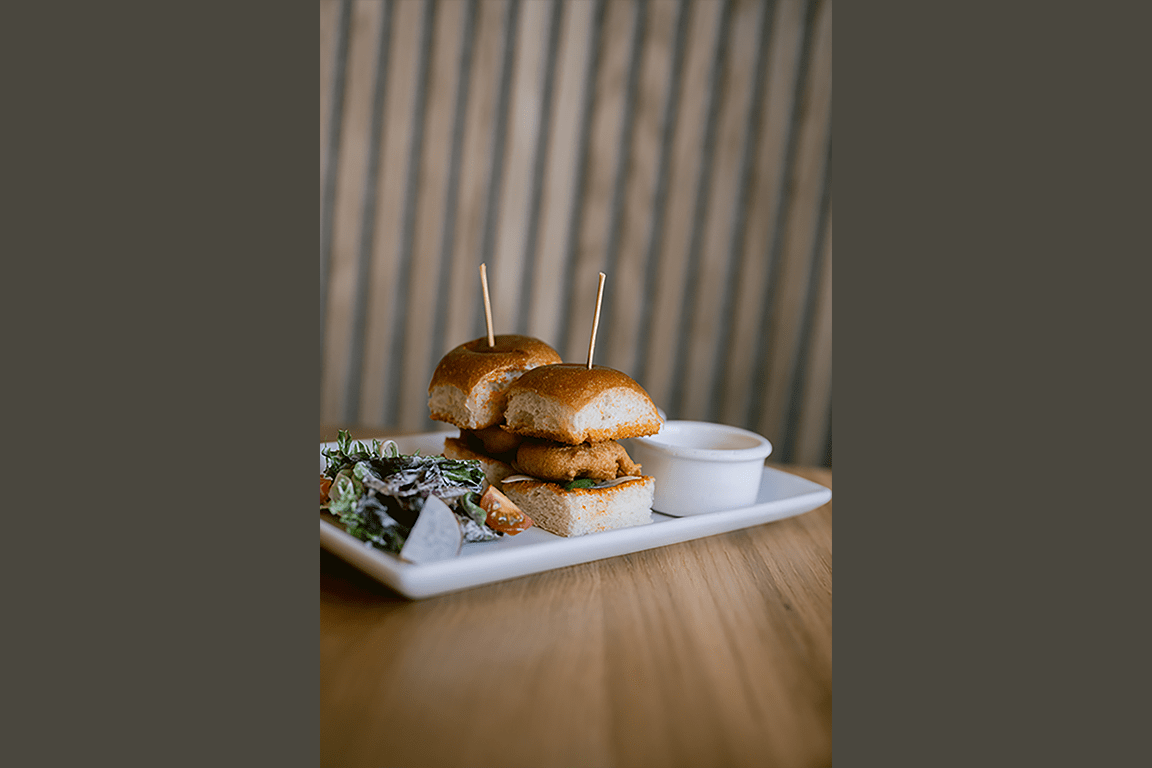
(325, 484)
(503, 515)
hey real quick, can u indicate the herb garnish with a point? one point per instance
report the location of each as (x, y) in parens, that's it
(584, 482)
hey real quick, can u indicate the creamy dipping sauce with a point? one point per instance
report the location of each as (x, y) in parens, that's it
(710, 441)
(703, 436)
(701, 466)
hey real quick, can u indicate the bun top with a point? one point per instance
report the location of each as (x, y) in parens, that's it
(570, 403)
(467, 364)
(575, 385)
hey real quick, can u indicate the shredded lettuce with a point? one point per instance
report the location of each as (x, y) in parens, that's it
(377, 493)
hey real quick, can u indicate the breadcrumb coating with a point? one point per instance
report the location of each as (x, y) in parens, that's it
(605, 460)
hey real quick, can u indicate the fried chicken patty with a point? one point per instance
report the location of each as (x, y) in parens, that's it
(494, 440)
(605, 460)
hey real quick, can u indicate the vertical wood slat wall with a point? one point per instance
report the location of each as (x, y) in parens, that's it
(683, 147)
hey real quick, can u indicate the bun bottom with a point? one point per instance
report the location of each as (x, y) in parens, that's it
(494, 469)
(583, 510)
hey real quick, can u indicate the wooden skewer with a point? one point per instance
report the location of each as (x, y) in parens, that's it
(487, 305)
(595, 320)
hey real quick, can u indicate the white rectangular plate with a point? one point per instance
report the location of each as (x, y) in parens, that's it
(533, 551)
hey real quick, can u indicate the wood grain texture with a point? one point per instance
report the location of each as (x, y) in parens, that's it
(671, 290)
(524, 125)
(766, 193)
(600, 169)
(799, 230)
(463, 305)
(705, 301)
(560, 172)
(329, 13)
(624, 301)
(394, 159)
(714, 652)
(746, 301)
(816, 407)
(349, 192)
(418, 360)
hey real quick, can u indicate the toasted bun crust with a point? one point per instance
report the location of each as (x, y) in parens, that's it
(605, 460)
(584, 510)
(570, 403)
(494, 469)
(469, 386)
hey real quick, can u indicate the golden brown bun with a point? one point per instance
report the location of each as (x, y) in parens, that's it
(469, 386)
(570, 403)
(584, 510)
(605, 460)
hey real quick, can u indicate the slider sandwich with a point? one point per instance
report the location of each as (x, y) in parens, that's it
(545, 432)
(574, 478)
(469, 389)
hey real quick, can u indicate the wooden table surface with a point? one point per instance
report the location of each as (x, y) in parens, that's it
(713, 652)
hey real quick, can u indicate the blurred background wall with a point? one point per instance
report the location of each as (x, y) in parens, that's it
(681, 147)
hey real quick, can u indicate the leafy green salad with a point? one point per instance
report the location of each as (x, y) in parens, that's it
(378, 494)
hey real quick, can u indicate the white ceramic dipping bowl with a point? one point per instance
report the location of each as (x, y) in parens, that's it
(701, 467)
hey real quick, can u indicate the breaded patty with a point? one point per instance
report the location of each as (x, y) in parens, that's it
(494, 439)
(547, 460)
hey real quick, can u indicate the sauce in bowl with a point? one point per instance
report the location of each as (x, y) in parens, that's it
(702, 467)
